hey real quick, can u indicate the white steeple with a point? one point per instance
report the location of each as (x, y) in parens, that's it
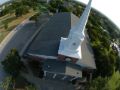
(71, 46)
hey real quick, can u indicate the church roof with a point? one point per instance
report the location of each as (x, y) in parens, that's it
(48, 40)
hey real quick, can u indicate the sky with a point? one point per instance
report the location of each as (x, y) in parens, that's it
(110, 8)
(2, 1)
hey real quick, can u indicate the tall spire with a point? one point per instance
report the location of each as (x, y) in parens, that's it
(71, 46)
(79, 28)
(84, 18)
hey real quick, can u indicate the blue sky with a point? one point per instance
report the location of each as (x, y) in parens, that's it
(2, 1)
(111, 8)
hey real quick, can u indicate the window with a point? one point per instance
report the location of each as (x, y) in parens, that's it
(68, 59)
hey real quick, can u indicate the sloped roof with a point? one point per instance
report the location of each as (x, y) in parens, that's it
(48, 40)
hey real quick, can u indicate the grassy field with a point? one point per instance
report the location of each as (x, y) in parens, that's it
(12, 23)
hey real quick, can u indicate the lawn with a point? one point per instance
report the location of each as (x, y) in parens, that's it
(12, 23)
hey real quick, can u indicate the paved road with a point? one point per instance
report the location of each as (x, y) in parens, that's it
(42, 84)
(17, 39)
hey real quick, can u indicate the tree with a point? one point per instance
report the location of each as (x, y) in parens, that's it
(105, 56)
(12, 63)
(31, 87)
(118, 64)
(113, 82)
(36, 67)
(20, 10)
(42, 8)
(78, 9)
(35, 18)
(5, 84)
(56, 5)
(97, 84)
(6, 10)
(109, 83)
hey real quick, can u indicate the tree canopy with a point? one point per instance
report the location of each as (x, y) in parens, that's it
(109, 83)
(101, 32)
(12, 63)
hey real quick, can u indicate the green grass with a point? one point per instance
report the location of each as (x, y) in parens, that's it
(8, 20)
(3, 35)
(12, 23)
